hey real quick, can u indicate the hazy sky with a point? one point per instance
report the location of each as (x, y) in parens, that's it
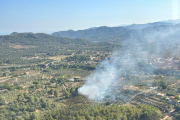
(56, 15)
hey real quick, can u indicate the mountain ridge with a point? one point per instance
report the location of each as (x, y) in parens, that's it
(114, 34)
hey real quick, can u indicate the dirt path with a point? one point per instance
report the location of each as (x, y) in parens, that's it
(5, 80)
(140, 94)
(169, 115)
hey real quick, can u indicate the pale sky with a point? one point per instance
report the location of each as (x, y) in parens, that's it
(56, 15)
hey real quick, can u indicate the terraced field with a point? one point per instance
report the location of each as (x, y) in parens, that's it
(161, 104)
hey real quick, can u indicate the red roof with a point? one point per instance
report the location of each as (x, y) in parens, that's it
(172, 97)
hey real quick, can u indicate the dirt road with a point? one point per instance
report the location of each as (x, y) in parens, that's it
(169, 115)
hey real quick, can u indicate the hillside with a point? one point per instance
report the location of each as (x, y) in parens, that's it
(16, 46)
(97, 34)
(38, 39)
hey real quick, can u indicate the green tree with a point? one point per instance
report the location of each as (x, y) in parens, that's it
(2, 101)
(56, 93)
(67, 94)
(20, 97)
(4, 74)
(31, 99)
(13, 68)
(163, 84)
(51, 118)
(51, 92)
(26, 115)
(35, 116)
(36, 82)
(36, 99)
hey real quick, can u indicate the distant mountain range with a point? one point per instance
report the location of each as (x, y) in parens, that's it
(172, 21)
(141, 26)
(99, 34)
(117, 34)
(39, 39)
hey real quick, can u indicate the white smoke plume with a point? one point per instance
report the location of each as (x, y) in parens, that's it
(136, 56)
(99, 82)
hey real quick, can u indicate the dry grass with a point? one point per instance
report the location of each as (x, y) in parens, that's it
(37, 110)
(4, 77)
(58, 57)
(130, 87)
(20, 46)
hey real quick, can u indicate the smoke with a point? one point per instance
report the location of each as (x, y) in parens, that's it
(99, 82)
(137, 56)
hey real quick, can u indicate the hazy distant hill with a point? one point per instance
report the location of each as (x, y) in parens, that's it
(117, 34)
(97, 34)
(38, 39)
(177, 21)
(46, 40)
(172, 29)
(141, 26)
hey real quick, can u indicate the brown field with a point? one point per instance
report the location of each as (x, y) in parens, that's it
(4, 77)
(58, 57)
(20, 46)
